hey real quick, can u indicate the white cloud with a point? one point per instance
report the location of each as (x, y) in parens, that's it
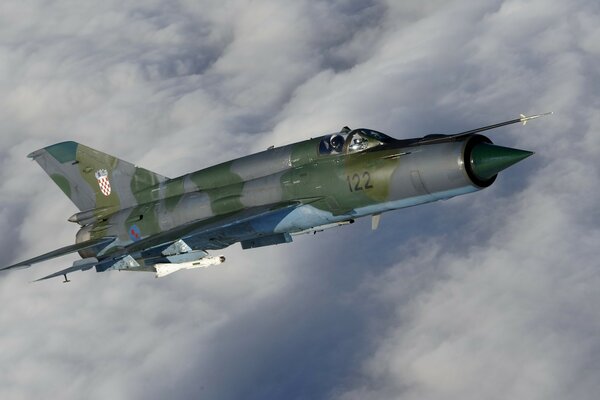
(487, 296)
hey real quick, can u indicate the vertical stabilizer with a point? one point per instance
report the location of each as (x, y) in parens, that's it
(92, 179)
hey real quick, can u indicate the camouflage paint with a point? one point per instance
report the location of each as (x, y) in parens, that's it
(262, 198)
(62, 183)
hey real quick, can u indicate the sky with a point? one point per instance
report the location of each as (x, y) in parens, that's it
(491, 295)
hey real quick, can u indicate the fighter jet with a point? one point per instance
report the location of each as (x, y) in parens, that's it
(133, 219)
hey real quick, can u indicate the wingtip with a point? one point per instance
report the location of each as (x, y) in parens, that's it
(42, 279)
(15, 266)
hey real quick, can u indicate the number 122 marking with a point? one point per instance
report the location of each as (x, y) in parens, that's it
(358, 182)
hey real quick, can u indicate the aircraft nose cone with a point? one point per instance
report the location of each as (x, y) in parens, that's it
(488, 159)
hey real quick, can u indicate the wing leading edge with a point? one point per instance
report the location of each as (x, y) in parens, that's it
(201, 232)
(60, 252)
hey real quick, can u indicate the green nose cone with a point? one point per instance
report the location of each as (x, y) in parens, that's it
(488, 159)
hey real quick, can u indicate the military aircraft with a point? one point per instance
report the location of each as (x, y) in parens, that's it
(133, 219)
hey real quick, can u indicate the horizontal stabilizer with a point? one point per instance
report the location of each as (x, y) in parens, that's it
(79, 265)
(60, 252)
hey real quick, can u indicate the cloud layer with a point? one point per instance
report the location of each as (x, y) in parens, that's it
(487, 296)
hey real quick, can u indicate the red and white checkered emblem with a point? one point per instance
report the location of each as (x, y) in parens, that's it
(103, 182)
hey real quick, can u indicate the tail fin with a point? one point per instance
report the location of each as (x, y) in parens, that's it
(92, 179)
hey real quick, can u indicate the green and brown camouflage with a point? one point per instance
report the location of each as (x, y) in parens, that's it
(135, 219)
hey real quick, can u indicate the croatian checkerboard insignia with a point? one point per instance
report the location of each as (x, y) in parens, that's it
(103, 182)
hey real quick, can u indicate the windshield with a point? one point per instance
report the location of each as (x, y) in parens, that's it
(352, 141)
(381, 137)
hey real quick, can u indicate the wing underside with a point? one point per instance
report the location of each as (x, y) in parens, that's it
(60, 252)
(81, 265)
(173, 245)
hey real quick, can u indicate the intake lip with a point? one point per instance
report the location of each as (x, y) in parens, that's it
(471, 143)
(484, 160)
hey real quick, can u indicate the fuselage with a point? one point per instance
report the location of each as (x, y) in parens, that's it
(361, 173)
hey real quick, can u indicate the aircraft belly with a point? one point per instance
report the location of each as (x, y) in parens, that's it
(307, 217)
(412, 201)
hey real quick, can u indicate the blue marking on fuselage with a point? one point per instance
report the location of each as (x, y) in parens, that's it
(134, 233)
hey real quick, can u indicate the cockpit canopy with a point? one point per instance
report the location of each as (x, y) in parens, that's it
(352, 141)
